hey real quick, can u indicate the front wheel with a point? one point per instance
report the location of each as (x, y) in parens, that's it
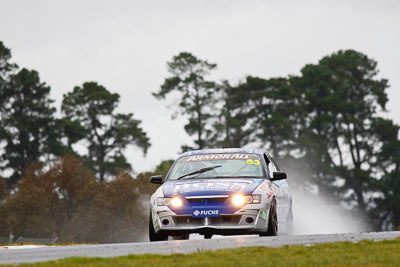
(208, 236)
(153, 236)
(272, 221)
(290, 221)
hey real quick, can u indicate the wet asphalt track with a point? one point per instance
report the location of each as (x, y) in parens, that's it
(31, 255)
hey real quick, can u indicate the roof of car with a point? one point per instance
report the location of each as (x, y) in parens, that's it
(223, 150)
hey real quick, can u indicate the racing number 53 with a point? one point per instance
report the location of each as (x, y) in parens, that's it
(253, 162)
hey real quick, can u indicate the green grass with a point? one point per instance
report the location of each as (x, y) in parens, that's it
(365, 253)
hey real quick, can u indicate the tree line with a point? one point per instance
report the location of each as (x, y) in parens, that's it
(65, 174)
(31, 132)
(325, 125)
(68, 202)
(68, 171)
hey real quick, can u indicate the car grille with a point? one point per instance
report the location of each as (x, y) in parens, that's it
(206, 201)
(223, 220)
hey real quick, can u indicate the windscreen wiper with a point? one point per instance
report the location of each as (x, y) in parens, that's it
(199, 171)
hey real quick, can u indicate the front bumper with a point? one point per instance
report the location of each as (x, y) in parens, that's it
(252, 219)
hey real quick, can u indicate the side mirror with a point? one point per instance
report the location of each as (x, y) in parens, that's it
(156, 179)
(278, 176)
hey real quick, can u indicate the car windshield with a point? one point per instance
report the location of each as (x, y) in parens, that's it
(227, 165)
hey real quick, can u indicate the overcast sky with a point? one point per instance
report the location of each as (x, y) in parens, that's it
(124, 45)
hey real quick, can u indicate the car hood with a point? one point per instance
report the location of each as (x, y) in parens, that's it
(215, 186)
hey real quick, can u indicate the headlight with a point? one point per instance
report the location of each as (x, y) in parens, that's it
(240, 200)
(166, 201)
(256, 199)
(176, 202)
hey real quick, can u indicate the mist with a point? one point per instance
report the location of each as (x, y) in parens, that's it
(314, 214)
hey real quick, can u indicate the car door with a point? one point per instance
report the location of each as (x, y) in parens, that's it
(283, 197)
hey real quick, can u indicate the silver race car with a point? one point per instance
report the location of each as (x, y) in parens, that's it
(221, 191)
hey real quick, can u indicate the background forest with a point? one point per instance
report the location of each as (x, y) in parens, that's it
(65, 173)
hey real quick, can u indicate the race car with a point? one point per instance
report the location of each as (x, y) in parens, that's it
(221, 192)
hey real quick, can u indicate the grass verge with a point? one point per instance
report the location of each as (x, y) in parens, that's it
(365, 253)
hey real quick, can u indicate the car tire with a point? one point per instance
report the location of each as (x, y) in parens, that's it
(153, 236)
(208, 236)
(272, 221)
(290, 221)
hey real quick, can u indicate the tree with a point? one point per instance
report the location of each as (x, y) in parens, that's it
(275, 113)
(74, 206)
(163, 167)
(386, 213)
(3, 189)
(197, 95)
(258, 111)
(109, 217)
(90, 109)
(34, 204)
(232, 128)
(3, 217)
(28, 128)
(342, 98)
(6, 68)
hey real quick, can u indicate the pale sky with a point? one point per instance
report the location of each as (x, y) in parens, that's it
(124, 45)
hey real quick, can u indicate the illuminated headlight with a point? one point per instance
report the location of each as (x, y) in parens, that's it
(176, 202)
(256, 199)
(240, 200)
(166, 201)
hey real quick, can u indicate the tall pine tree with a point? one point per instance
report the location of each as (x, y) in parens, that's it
(90, 109)
(197, 95)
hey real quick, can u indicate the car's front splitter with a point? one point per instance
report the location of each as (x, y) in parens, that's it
(244, 221)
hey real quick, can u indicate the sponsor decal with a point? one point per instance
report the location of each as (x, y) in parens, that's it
(205, 213)
(264, 186)
(269, 194)
(253, 162)
(226, 185)
(220, 157)
(263, 215)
